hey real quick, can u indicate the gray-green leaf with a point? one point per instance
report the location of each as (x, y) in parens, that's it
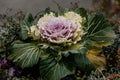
(51, 69)
(27, 22)
(25, 54)
(83, 62)
(104, 36)
(99, 30)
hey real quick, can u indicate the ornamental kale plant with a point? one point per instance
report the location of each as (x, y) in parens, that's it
(60, 42)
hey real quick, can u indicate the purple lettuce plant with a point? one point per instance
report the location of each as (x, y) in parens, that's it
(60, 43)
(59, 30)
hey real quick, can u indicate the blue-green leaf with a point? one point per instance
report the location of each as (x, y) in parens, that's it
(25, 54)
(24, 32)
(27, 22)
(82, 61)
(99, 30)
(28, 19)
(81, 11)
(104, 36)
(51, 69)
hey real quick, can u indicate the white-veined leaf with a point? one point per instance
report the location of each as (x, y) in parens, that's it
(106, 35)
(27, 22)
(99, 30)
(81, 11)
(82, 61)
(25, 54)
(51, 69)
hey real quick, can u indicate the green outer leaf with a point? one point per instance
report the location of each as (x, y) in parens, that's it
(27, 22)
(51, 69)
(24, 32)
(81, 11)
(62, 11)
(104, 36)
(81, 50)
(25, 54)
(82, 61)
(99, 30)
(96, 22)
(28, 19)
(48, 10)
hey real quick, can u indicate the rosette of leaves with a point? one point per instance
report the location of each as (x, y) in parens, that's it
(74, 40)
